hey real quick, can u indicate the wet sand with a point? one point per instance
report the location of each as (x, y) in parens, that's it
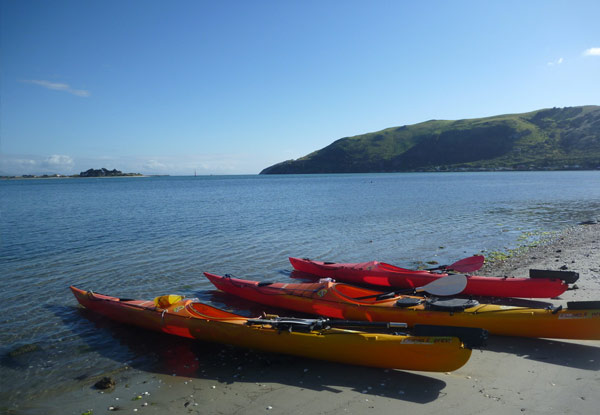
(510, 376)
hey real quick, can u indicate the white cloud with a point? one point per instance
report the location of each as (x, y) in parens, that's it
(184, 165)
(232, 163)
(58, 161)
(556, 62)
(35, 164)
(592, 52)
(25, 162)
(55, 86)
(17, 164)
(153, 165)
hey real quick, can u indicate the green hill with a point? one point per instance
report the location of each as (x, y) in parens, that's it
(557, 138)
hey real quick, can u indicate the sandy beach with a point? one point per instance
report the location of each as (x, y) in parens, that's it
(511, 375)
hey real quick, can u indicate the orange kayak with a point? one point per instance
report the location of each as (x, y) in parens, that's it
(580, 320)
(316, 339)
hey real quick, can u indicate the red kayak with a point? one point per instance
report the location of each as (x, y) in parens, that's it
(540, 284)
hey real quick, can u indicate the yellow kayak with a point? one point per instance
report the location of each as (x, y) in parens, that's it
(308, 338)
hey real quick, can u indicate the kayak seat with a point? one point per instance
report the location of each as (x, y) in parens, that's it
(453, 304)
(264, 283)
(408, 302)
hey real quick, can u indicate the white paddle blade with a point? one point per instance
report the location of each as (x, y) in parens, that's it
(449, 285)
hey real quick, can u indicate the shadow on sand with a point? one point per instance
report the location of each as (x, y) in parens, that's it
(553, 351)
(576, 354)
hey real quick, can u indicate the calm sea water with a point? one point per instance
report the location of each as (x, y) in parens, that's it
(142, 237)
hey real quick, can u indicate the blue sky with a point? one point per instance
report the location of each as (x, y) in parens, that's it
(231, 87)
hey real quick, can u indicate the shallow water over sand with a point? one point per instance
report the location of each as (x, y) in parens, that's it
(142, 237)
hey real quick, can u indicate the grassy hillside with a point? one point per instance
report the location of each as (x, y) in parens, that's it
(557, 138)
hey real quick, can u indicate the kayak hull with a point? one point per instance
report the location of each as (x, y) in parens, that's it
(195, 320)
(338, 300)
(386, 275)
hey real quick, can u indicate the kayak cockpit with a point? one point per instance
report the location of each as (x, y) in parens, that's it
(204, 311)
(355, 294)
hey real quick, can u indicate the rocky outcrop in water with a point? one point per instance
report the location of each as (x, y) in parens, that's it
(105, 173)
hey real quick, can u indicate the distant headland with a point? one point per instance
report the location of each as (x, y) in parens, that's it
(88, 173)
(547, 139)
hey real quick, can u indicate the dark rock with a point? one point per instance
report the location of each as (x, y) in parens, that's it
(27, 348)
(564, 267)
(588, 222)
(105, 383)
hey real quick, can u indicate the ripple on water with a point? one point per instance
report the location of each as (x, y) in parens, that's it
(146, 237)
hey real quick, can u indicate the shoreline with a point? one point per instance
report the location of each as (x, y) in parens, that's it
(15, 177)
(576, 248)
(510, 375)
(79, 177)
